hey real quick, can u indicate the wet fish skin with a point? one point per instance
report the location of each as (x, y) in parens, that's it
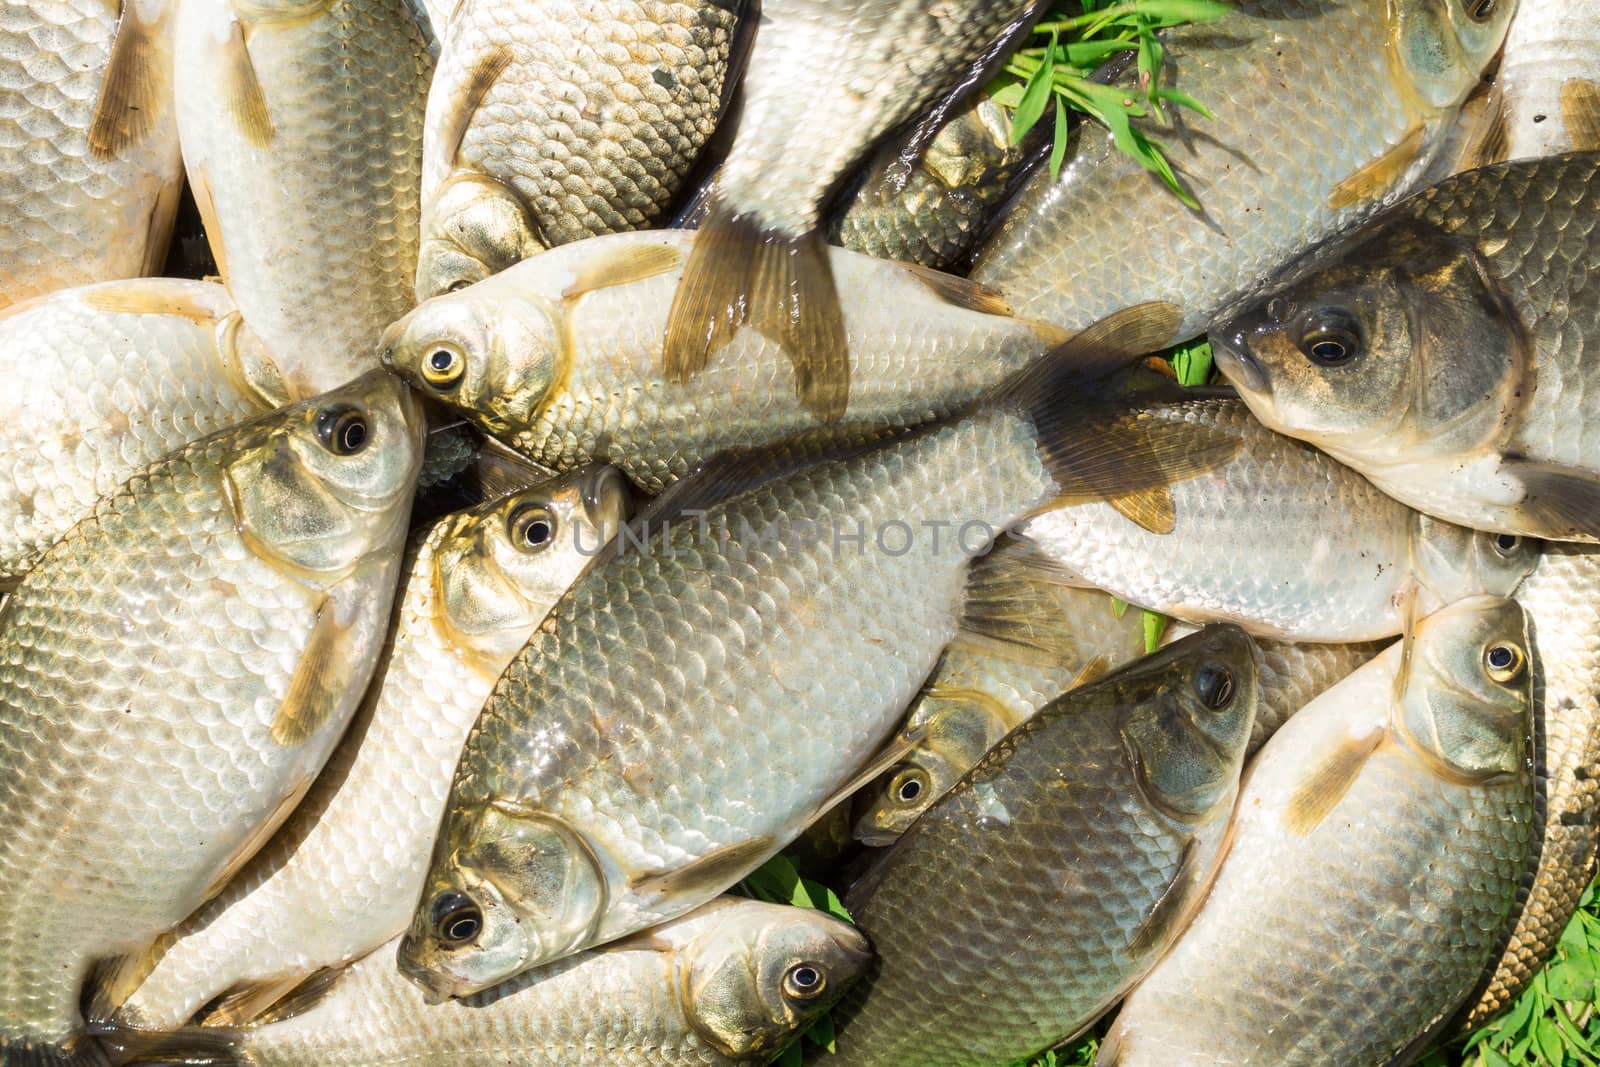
(174, 672)
(90, 177)
(325, 98)
(105, 379)
(1274, 171)
(1548, 100)
(1562, 599)
(932, 209)
(1058, 871)
(1317, 552)
(706, 990)
(1487, 273)
(1305, 949)
(548, 123)
(344, 873)
(560, 357)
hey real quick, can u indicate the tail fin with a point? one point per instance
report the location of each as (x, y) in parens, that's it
(1098, 445)
(81, 1051)
(194, 1046)
(778, 282)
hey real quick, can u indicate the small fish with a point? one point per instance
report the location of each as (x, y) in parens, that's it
(302, 136)
(1056, 873)
(931, 207)
(1323, 112)
(1315, 551)
(105, 379)
(175, 671)
(1335, 932)
(90, 175)
(560, 357)
(1562, 599)
(550, 121)
(689, 707)
(1444, 351)
(727, 985)
(342, 876)
(827, 80)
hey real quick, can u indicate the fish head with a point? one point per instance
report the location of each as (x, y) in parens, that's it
(759, 975)
(474, 227)
(957, 732)
(507, 890)
(1442, 46)
(323, 484)
(1452, 562)
(1466, 689)
(1396, 346)
(500, 567)
(1187, 713)
(490, 353)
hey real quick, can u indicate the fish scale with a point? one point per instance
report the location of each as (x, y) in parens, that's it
(68, 217)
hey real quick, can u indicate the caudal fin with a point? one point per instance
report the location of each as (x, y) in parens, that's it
(194, 1046)
(778, 282)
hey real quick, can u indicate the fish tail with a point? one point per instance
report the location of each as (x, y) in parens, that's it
(194, 1046)
(1095, 443)
(79, 1052)
(739, 273)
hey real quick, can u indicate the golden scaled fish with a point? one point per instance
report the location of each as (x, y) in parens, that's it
(343, 874)
(173, 674)
(551, 121)
(302, 135)
(1445, 350)
(89, 169)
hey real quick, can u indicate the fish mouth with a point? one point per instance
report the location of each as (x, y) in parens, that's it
(1236, 362)
(435, 987)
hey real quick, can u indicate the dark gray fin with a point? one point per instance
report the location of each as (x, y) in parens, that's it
(1372, 182)
(781, 284)
(303, 997)
(245, 102)
(1322, 789)
(1580, 110)
(1120, 339)
(748, 14)
(192, 1046)
(502, 470)
(960, 292)
(317, 686)
(1491, 140)
(251, 843)
(622, 265)
(1563, 503)
(709, 874)
(1172, 908)
(243, 1002)
(466, 100)
(1013, 607)
(135, 87)
(114, 980)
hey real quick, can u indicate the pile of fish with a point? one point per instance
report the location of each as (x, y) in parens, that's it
(583, 450)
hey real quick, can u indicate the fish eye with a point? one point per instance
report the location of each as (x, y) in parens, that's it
(1331, 338)
(1506, 544)
(456, 919)
(804, 981)
(1479, 10)
(1214, 686)
(531, 527)
(443, 366)
(457, 285)
(909, 785)
(343, 431)
(1504, 661)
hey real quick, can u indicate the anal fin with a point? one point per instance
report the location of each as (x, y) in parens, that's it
(136, 86)
(1316, 797)
(114, 981)
(1372, 181)
(244, 1002)
(1580, 110)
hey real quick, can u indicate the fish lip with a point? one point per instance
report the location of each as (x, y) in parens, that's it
(1234, 359)
(435, 987)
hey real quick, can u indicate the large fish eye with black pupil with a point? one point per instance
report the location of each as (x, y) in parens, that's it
(1331, 337)
(1506, 544)
(1504, 661)
(1480, 10)
(531, 528)
(443, 366)
(456, 919)
(909, 785)
(343, 431)
(804, 981)
(1214, 686)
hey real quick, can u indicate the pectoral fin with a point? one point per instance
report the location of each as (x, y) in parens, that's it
(317, 686)
(959, 292)
(1580, 110)
(1563, 504)
(708, 875)
(1316, 797)
(467, 97)
(136, 86)
(242, 96)
(621, 266)
(146, 296)
(252, 842)
(1171, 909)
(901, 746)
(1374, 180)
(247, 1000)
(1013, 607)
